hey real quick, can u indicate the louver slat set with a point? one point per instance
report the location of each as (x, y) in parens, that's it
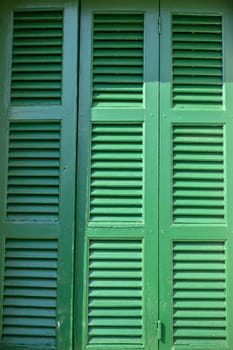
(33, 171)
(37, 57)
(197, 61)
(118, 60)
(198, 174)
(115, 292)
(199, 293)
(30, 289)
(116, 172)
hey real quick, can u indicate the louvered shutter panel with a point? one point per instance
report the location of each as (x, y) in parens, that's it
(196, 190)
(37, 182)
(115, 136)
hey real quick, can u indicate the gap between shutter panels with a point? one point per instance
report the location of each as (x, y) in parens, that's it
(33, 171)
(197, 56)
(115, 292)
(198, 174)
(116, 172)
(199, 293)
(30, 289)
(37, 57)
(118, 46)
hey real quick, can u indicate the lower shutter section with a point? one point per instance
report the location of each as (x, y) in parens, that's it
(199, 293)
(115, 292)
(30, 290)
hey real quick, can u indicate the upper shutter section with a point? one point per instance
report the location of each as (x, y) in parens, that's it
(118, 59)
(197, 61)
(37, 57)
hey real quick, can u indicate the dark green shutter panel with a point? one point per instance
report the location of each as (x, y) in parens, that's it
(33, 171)
(116, 172)
(29, 300)
(197, 61)
(198, 174)
(118, 59)
(199, 293)
(37, 136)
(115, 292)
(37, 57)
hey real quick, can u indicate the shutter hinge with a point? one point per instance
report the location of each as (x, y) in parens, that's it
(159, 330)
(159, 25)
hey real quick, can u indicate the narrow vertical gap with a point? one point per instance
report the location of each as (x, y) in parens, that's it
(159, 28)
(75, 327)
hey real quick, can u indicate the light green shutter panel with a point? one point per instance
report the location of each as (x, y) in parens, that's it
(196, 172)
(115, 202)
(37, 183)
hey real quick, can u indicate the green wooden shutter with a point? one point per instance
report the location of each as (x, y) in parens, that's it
(37, 176)
(196, 172)
(115, 202)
